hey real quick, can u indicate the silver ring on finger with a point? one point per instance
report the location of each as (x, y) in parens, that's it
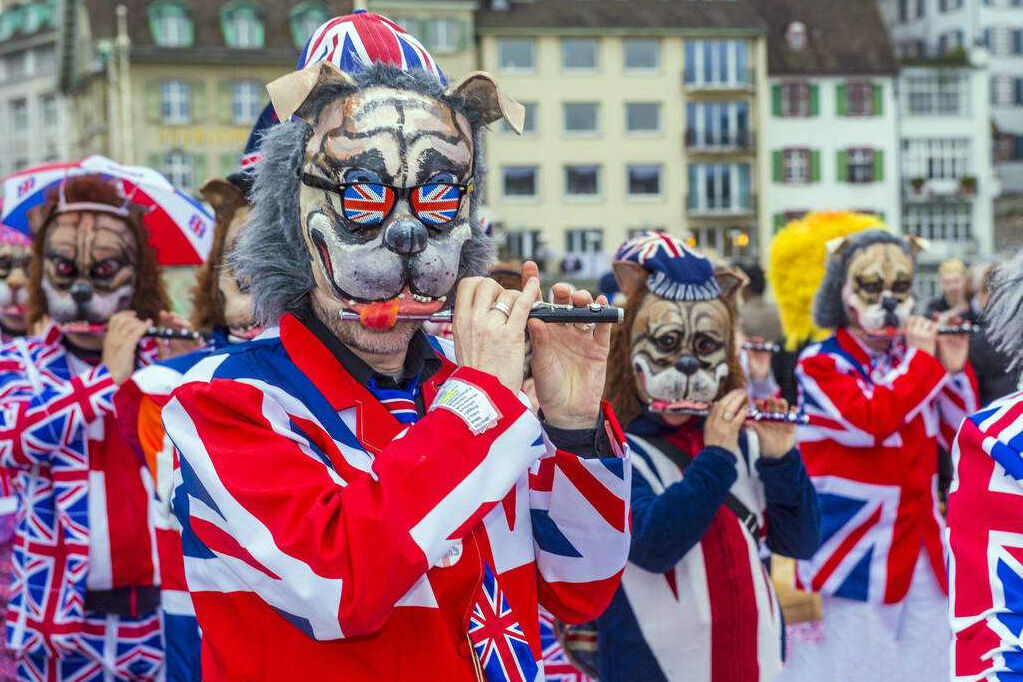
(729, 416)
(502, 308)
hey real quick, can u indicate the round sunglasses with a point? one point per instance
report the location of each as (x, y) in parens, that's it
(368, 204)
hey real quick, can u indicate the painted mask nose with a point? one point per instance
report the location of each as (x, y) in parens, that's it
(81, 292)
(688, 365)
(405, 236)
(889, 304)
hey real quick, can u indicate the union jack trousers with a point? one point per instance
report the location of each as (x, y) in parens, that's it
(871, 450)
(325, 540)
(82, 520)
(985, 540)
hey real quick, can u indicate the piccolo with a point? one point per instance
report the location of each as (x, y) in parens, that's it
(545, 312)
(152, 332)
(789, 417)
(765, 347)
(964, 328)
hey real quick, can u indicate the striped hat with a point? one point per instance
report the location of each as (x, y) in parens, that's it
(676, 272)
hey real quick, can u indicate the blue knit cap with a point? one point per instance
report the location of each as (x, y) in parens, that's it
(676, 272)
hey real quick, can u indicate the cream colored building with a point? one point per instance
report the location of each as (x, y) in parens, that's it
(624, 133)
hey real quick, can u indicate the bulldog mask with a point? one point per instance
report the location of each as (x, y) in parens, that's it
(677, 347)
(15, 254)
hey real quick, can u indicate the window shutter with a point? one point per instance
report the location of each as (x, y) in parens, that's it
(197, 95)
(878, 165)
(779, 222)
(843, 100)
(225, 101)
(153, 108)
(776, 100)
(464, 37)
(199, 174)
(777, 166)
(843, 166)
(228, 163)
(156, 161)
(815, 100)
(878, 100)
(815, 165)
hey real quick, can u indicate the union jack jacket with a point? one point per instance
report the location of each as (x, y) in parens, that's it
(985, 539)
(82, 520)
(871, 449)
(325, 540)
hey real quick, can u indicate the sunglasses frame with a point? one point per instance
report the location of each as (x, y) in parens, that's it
(401, 194)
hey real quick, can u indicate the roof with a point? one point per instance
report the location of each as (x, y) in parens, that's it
(843, 37)
(580, 16)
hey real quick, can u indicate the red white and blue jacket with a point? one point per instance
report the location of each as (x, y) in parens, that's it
(83, 516)
(871, 448)
(985, 539)
(325, 540)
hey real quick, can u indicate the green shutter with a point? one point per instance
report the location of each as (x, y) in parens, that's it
(225, 101)
(843, 166)
(199, 175)
(153, 113)
(156, 162)
(197, 95)
(776, 165)
(815, 165)
(815, 100)
(878, 165)
(776, 100)
(878, 100)
(228, 163)
(843, 100)
(230, 35)
(464, 35)
(779, 222)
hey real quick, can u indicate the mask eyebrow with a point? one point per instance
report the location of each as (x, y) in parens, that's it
(432, 161)
(371, 159)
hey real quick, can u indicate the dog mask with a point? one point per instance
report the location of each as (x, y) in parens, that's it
(15, 255)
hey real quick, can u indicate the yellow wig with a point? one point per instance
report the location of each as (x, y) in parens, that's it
(797, 262)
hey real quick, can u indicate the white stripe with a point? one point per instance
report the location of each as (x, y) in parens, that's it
(100, 575)
(177, 602)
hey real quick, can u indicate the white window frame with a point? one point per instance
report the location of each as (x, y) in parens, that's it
(179, 167)
(444, 41)
(48, 105)
(641, 69)
(936, 158)
(520, 197)
(860, 158)
(172, 26)
(644, 195)
(502, 42)
(246, 29)
(939, 222)
(726, 75)
(246, 102)
(706, 124)
(592, 42)
(795, 166)
(580, 133)
(584, 197)
(801, 108)
(175, 102)
(717, 176)
(20, 121)
(644, 131)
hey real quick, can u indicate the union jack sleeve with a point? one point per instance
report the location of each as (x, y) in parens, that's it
(581, 532)
(959, 398)
(985, 540)
(275, 503)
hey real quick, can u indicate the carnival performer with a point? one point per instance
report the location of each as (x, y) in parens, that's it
(985, 513)
(358, 501)
(696, 603)
(878, 394)
(84, 602)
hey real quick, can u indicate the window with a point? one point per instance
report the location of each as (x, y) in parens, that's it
(584, 253)
(304, 20)
(584, 241)
(795, 36)
(523, 244)
(795, 99)
(859, 99)
(246, 102)
(950, 5)
(642, 55)
(643, 117)
(796, 166)
(177, 166)
(242, 26)
(444, 36)
(48, 104)
(578, 54)
(19, 114)
(860, 165)
(730, 242)
(45, 60)
(16, 65)
(903, 9)
(519, 181)
(717, 63)
(717, 124)
(939, 222)
(529, 122)
(920, 7)
(644, 180)
(582, 181)
(950, 41)
(516, 54)
(170, 24)
(940, 93)
(1003, 90)
(936, 158)
(719, 188)
(175, 102)
(581, 117)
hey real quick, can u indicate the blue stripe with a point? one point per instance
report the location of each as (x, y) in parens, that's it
(549, 537)
(637, 450)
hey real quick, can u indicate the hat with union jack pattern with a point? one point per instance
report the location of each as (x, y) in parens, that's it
(676, 272)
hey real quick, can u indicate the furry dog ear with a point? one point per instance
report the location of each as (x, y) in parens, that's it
(481, 92)
(219, 193)
(631, 277)
(917, 244)
(836, 246)
(288, 93)
(730, 280)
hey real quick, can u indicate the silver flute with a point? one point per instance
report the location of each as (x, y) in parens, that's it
(787, 417)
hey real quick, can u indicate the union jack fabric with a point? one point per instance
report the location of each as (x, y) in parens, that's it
(354, 41)
(677, 272)
(557, 666)
(82, 522)
(985, 540)
(499, 641)
(321, 530)
(871, 448)
(367, 203)
(436, 203)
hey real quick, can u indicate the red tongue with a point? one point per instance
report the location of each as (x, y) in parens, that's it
(379, 314)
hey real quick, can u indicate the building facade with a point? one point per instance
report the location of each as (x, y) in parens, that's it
(639, 115)
(33, 114)
(831, 138)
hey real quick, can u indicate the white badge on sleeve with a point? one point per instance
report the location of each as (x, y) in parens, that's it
(472, 405)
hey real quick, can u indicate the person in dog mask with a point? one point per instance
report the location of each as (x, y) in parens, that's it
(360, 501)
(708, 493)
(15, 255)
(879, 394)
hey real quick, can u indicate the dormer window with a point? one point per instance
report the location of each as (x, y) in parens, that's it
(170, 24)
(242, 26)
(795, 36)
(305, 19)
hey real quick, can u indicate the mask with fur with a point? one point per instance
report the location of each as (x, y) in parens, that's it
(14, 260)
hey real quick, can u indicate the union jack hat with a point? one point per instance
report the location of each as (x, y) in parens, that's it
(8, 235)
(676, 272)
(354, 41)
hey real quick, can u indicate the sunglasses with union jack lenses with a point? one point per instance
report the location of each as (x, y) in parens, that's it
(368, 204)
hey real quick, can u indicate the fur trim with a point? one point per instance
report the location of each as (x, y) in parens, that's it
(1004, 313)
(661, 284)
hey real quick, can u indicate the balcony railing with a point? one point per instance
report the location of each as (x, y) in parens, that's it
(940, 189)
(739, 206)
(701, 141)
(694, 80)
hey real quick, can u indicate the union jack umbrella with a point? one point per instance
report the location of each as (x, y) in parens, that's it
(497, 637)
(180, 229)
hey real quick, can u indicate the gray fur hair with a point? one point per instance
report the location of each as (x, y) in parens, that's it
(271, 253)
(1003, 316)
(828, 308)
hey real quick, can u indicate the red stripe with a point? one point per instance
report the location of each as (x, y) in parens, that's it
(843, 550)
(610, 507)
(217, 540)
(734, 620)
(1005, 421)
